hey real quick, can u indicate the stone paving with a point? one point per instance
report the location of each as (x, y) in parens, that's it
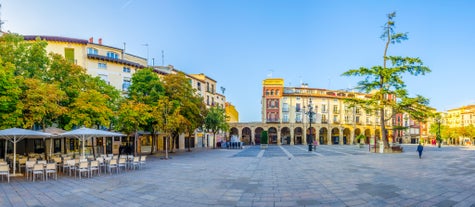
(278, 176)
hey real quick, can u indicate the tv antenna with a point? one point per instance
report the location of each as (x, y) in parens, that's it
(1, 22)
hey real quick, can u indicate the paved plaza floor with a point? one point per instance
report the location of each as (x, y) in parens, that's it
(279, 176)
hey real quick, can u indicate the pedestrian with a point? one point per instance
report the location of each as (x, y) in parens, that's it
(419, 149)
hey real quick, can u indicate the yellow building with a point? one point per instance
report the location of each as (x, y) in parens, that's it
(111, 64)
(231, 113)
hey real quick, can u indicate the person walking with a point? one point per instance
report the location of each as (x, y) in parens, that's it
(419, 149)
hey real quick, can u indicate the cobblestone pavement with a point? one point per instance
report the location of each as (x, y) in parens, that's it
(278, 176)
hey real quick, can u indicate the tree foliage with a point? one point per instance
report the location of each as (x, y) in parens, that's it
(386, 84)
(215, 121)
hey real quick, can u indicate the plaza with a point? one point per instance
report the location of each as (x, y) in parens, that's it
(337, 175)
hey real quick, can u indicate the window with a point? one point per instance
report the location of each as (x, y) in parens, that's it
(212, 88)
(92, 51)
(207, 100)
(198, 85)
(298, 117)
(126, 70)
(102, 65)
(113, 55)
(207, 87)
(285, 107)
(69, 54)
(335, 119)
(126, 85)
(104, 77)
(324, 108)
(285, 117)
(335, 109)
(297, 107)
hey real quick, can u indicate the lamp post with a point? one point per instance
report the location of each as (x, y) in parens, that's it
(310, 114)
(438, 138)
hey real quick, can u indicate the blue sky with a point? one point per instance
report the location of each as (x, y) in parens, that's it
(240, 43)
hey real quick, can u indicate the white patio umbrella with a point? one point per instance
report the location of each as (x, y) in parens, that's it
(15, 135)
(86, 133)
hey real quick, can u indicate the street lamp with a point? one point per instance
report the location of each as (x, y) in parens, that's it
(310, 114)
(438, 138)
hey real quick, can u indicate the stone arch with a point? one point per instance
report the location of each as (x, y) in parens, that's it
(298, 135)
(323, 135)
(272, 134)
(285, 135)
(357, 132)
(246, 135)
(335, 136)
(233, 131)
(257, 135)
(377, 134)
(311, 131)
(347, 139)
(367, 134)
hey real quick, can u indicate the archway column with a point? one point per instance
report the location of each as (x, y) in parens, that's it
(252, 137)
(240, 134)
(352, 136)
(292, 136)
(278, 136)
(340, 133)
(329, 136)
(304, 137)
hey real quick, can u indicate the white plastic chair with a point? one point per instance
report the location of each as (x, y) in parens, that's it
(83, 167)
(51, 169)
(94, 167)
(38, 169)
(122, 163)
(112, 164)
(5, 171)
(142, 160)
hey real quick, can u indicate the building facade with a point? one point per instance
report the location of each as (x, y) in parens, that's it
(303, 115)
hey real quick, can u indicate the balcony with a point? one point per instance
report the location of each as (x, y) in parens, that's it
(272, 120)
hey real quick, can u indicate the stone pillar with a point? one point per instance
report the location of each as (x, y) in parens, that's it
(341, 136)
(352, 136)
(252, 137)
(292, 136)
(278, 137)
(240, 135)
(329, 135)
(304, 136)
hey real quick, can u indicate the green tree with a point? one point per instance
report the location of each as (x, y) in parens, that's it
(90, 110)
(168, 117)
(178, 88)
(390, 94)
(41, 103)
(147, 88)
(131, 116)
(215, 121)
(11, 105)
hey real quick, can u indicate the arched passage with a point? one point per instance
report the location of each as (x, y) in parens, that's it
(298, 135)
(285, 135)
(367, 134)
(272, 134)
(346, 136)
(357, 132)
(323, 135)
(335, 136)
(257, 135)
(311, 135)
(234, 132)
(246, 135)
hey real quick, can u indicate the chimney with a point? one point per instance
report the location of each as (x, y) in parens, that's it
(91, 40)
(100, 41)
